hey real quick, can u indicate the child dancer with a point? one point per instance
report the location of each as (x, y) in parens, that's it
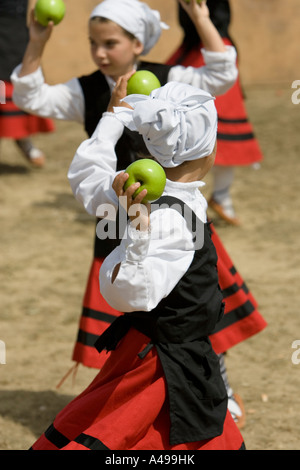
(14, 123)
(237, 144)
(161, 387)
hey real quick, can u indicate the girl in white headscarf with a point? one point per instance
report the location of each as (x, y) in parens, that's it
(161, 388)
(120, 31)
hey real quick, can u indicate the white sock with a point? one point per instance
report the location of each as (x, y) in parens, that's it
(223, 177)
(233, 407)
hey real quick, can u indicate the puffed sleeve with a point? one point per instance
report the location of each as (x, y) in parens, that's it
(64, 101)
(93, 167)
(150, 263)
(217, 76)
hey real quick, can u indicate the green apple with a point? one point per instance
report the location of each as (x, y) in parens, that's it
(49, 10)
(189, 1)
(142, 82)
(150, 174)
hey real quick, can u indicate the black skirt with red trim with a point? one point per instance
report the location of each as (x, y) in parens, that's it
(126, 407)
(15, 123)
(237, 144)
(241, 318)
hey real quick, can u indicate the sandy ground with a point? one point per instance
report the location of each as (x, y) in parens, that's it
(46, 250)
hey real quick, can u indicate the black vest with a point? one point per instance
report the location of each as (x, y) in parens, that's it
(179, 328)
(97, 95)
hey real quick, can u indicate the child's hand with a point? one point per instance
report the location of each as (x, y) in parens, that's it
(208, 33)
(137, 212)
(37, 32)
(194, 9)
(119, 92)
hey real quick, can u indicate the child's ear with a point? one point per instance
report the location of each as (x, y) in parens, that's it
(139, 47)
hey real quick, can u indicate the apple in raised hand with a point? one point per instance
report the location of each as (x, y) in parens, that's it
(142, 82)
(189, 1)
(49, 10)
(150, 174)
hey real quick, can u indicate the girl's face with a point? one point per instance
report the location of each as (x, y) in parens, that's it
(112, 50)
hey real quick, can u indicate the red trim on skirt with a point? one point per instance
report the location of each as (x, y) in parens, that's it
(15, 123)
(126, 408)
(241, 318)
(237, 144)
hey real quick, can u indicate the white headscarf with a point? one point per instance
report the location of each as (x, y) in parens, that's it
(135, 17)
(178, 122)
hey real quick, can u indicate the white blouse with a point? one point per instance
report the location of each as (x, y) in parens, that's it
(66, 101)
(151, 263)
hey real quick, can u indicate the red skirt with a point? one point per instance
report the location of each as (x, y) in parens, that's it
(15, 123)
(237, 144)
(126, 408)
(240, 321)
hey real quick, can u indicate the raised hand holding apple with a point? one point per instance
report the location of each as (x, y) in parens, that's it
(49, 10)
(151, 177)
(138, 212)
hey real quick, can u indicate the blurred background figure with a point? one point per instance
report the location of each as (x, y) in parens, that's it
(14, 123)
(237, 144)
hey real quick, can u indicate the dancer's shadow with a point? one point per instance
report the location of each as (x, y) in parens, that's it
(6, 169)
(66, 201)
(34, 410)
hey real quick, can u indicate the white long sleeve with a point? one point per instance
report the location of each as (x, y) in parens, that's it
(64, 101)
(93, 168)
(152, 263)
(217, 76)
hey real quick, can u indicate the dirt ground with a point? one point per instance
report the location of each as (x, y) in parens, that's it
(46, 249)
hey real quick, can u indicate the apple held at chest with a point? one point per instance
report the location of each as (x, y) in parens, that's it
(142, 82)
(150, 175)
(49, 10)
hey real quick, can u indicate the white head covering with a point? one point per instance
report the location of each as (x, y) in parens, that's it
(178, 122)
(135, 17)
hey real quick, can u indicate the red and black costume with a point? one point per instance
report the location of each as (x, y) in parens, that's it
(161, 388)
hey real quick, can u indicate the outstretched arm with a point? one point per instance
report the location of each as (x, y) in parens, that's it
(63, 101)
(38, 38)
(93, 169)
(220, 72)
